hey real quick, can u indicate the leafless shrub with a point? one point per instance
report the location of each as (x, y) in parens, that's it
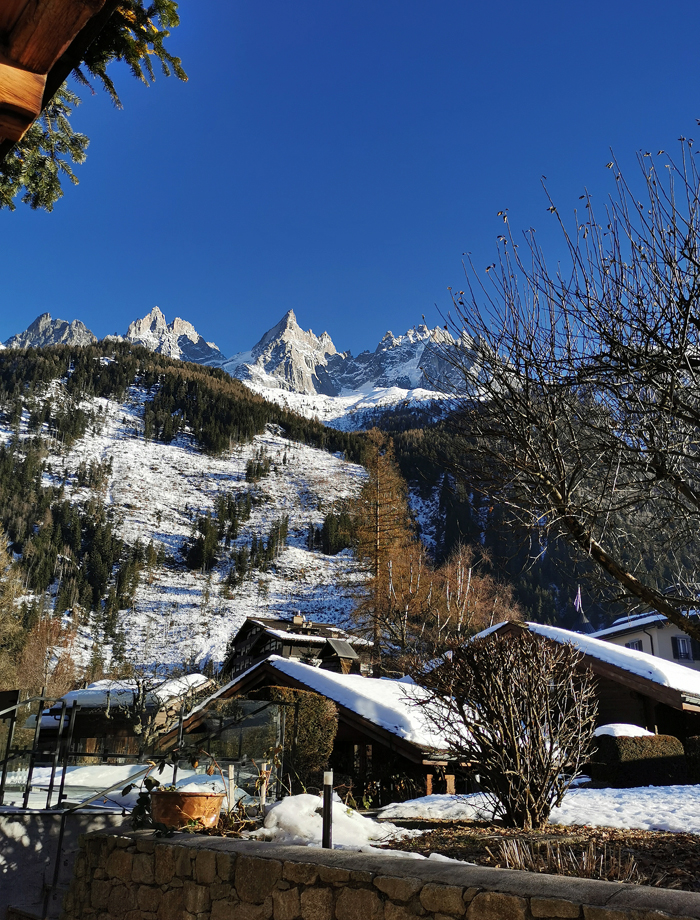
(519, 712)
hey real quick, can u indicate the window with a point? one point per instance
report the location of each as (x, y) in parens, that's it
(682, 649)
(635, 645)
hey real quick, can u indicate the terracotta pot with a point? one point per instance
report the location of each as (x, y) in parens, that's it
(179, 809)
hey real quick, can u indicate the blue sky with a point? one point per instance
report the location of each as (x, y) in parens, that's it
(337, 158)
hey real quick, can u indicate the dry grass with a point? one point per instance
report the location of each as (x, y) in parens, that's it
(611, 864)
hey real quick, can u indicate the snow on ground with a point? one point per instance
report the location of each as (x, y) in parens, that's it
(298, 819)
(181, 618)
(651, 808)
(352, 410)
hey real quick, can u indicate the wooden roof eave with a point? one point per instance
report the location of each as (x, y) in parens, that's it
(41, 42)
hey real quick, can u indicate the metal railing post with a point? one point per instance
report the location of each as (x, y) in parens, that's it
(35, 745)
(66, 753)
(8, 747)
(56, 753)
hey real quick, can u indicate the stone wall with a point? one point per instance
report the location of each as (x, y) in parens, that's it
(188, 877)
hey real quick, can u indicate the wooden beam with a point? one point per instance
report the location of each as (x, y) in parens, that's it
(10, 11)
(46, 28)
(21, 94)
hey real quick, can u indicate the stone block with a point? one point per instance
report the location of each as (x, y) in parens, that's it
(220, 890)
(245, 911)
(222, 910)
(554, 907)
(224, 866)
(301, 873)
(182, 857)
(119, 865)
(444, 899)
(286, 904)
(171, 905)
(607, 913)
(358, 904)
(143, 869)
(149, 898)
(205, 867)
(123, 842)
(398, 889)
(99, 893)
(165, 864)
(317, 904)
(492, 905)
(333, 876)
(197, 898)
(400, 911)
(145, 846)
(121, 899)
(80, 866)
(470, 894)
(256, 878)
(361, 877)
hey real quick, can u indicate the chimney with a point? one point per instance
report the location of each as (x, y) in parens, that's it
(298, 619)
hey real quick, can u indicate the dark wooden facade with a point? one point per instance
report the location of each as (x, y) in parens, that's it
(333, 648)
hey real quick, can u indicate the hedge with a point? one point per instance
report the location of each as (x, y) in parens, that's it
(305, 761)
(650, 760)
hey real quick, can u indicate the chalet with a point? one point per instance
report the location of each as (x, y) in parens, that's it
(383, 736)
(118, 717)
(631, 685)
(654, 634)
(305, 640)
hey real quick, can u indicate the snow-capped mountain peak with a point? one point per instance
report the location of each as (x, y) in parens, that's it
(178, 339)
(287, 358)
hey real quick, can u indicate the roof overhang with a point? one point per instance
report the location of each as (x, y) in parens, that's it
(649, 688)
(41, 41)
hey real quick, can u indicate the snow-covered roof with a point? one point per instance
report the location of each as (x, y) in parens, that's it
(665, 673)
(121, 692)
(390, 704)
(624, 624)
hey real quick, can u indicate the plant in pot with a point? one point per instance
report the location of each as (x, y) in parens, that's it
(168, 808)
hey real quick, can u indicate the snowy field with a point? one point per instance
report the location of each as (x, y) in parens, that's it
(649, 808)
(183, 619)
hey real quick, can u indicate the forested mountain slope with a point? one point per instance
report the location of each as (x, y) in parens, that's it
(153, 504)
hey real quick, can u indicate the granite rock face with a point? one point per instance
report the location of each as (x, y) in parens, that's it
(45, 331)
(178, 339)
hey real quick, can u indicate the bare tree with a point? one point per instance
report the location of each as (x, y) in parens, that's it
(520, 712)
(580, 396)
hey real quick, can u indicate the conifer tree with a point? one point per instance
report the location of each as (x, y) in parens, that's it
(11, 632)
(135, 33)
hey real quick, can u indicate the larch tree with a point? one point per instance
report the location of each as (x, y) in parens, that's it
(384, 534)
(411, 609)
